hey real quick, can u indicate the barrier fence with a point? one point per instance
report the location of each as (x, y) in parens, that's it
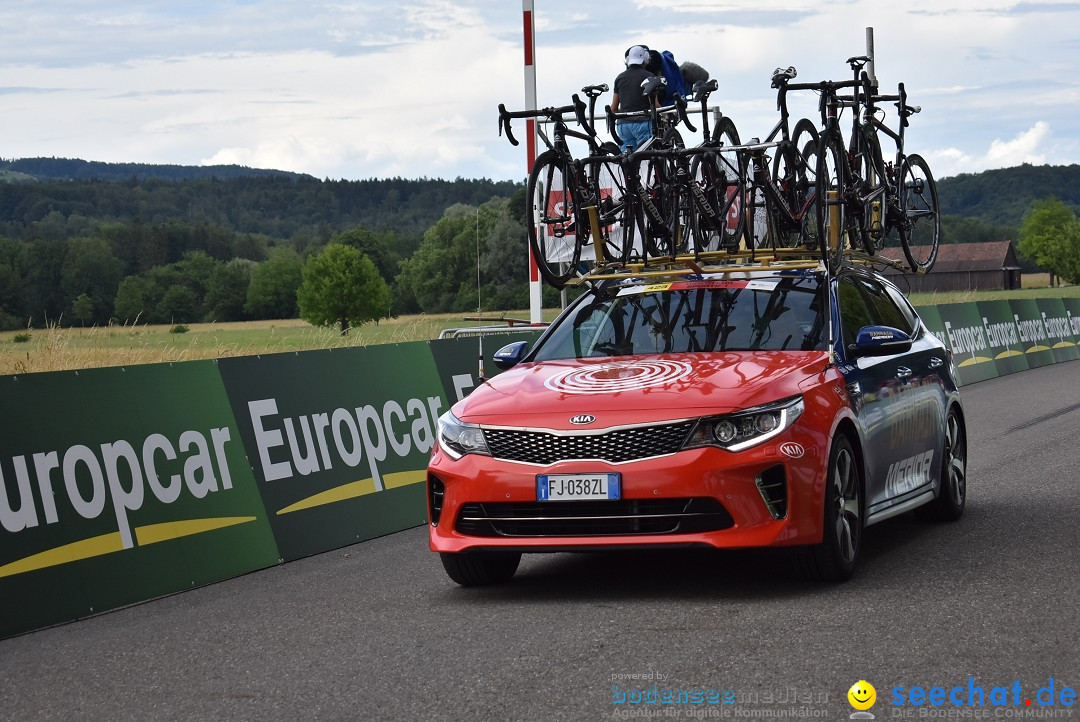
(126, 484)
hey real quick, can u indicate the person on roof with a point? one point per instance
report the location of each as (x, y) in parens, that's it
(628, 96)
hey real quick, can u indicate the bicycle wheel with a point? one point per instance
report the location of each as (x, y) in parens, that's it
(920, 227)
(869, 166)
(829, 216)
(805, 139)
(661, 204)
(716, 217)
(735, 229)
(793, 182)
(609, 188)
(555, 231)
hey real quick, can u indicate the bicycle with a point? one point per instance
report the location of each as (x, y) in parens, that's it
(838, 211)
(792, 173)
(899, 198)
(561, 187)
(862, 200)
(649, 212)
(714, 200)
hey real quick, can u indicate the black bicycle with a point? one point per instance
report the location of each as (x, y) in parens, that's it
(898, 200)
(863, 203)
(562, 187)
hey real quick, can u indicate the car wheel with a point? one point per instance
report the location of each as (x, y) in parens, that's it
(835, 558)
(949, 504)
(474, 569)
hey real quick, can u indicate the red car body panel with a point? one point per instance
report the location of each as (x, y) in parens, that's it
(635, 390)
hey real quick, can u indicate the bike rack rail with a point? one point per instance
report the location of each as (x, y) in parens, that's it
(757, 259)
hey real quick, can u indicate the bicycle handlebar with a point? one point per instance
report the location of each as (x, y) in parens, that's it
(577, 107)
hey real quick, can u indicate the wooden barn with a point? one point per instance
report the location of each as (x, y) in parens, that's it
(962, 267)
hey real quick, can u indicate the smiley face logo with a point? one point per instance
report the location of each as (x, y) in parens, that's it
(862, 695)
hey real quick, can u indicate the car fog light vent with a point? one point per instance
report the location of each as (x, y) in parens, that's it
(436, 492)
(772, 484)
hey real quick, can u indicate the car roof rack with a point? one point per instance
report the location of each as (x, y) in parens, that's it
(761, 259)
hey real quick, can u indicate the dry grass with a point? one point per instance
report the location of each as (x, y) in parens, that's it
(61, 348)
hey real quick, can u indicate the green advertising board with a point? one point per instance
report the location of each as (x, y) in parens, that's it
(1059, 333)
(458, 360)
(1003, 336)
(338, 440)
(1072, 312)
(966, 337)
(1036, 342)
(121, 485)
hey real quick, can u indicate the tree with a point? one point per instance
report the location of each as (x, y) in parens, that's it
(90, 268)
(272, 292)
(1050, 235)
(131, 298)
(226, 291)
(381, 248)
(342, 286)
(178, 304)
(82, 308)
(441, 275)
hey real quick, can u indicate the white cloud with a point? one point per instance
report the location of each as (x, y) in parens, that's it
(1026, 147)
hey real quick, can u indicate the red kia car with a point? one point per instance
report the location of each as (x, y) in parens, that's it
(748, 409)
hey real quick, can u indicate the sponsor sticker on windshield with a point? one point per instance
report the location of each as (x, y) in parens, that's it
(698, 285)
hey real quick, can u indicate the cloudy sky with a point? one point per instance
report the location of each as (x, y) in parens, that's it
(359, 89)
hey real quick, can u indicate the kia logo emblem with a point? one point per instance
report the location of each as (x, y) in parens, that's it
(582, 419)
(790, 448)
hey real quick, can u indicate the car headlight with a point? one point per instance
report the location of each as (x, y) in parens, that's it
(458, 438)
(744, 429)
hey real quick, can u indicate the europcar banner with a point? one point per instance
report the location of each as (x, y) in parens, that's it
(1072, 312)
(458, 360)
(121, 485)
(1034, 339)
(338, 440)
(965, 335)
(1059, 331)
(1002, 336)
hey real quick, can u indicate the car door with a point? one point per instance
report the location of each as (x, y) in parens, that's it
(890, 393)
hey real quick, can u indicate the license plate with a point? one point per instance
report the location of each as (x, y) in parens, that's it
(574, 487)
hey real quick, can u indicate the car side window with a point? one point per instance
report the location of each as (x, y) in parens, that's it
(904, 306)
(855, 312)
(885, 308)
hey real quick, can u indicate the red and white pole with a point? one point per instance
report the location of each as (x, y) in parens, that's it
(535, 297)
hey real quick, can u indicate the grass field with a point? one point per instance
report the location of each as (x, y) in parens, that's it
(60, 348)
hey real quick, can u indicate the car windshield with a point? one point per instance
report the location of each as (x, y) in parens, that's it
(775, 313)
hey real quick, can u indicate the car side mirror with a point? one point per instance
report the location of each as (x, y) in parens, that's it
(879, 341)
(511, 354)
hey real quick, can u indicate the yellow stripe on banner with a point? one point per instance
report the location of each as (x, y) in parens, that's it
(341, 493)
(154, 533)
(1009, 354)
(404, 478)
(1037, 349)
(974, 360)
(1064, 344)
(73, 552)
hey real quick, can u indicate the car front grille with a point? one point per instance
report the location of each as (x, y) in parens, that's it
(624, 517)
(541, 447)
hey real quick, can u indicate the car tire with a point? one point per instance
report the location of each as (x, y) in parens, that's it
(952, 497)
(835, 558)
(475, 569)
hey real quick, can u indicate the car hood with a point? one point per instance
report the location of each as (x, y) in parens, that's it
(637, 389)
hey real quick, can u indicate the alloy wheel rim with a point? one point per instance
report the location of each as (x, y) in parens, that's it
(847, 512)
(956, 460)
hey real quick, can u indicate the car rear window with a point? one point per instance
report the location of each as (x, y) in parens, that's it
(764, 314)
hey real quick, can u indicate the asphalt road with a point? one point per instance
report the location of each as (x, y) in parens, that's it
(377, 631)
